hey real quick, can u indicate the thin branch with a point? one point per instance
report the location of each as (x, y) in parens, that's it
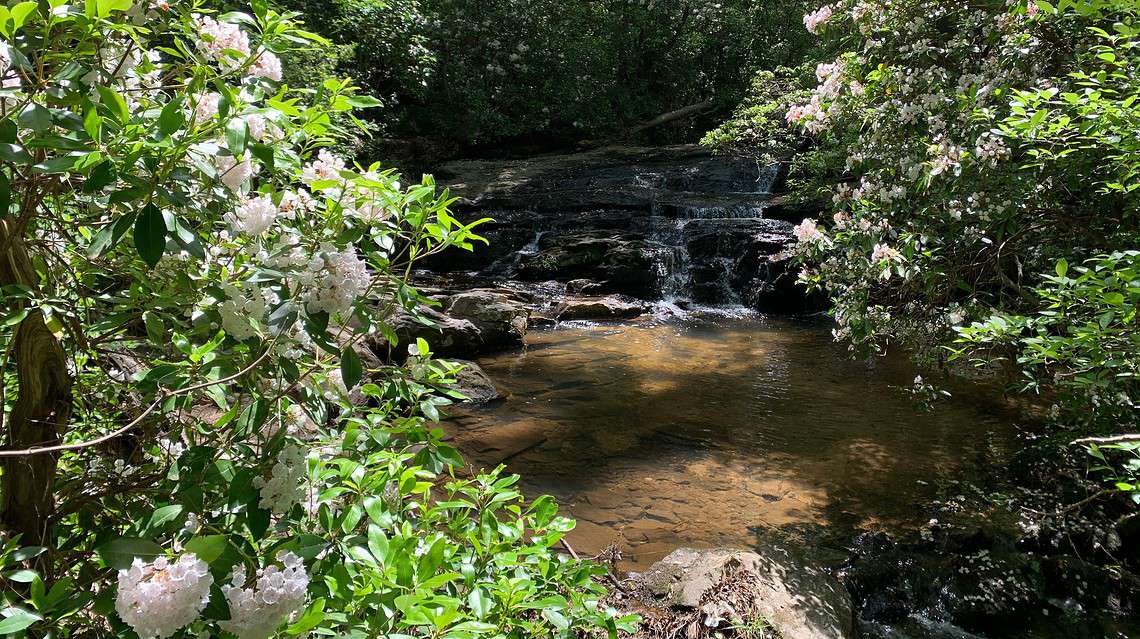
(1115, 439)
(136, 421)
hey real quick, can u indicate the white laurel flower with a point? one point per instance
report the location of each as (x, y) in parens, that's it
(336, 280)
(255, 613)
(268, 66)
(220, 39)
(239, 307)
(233, 173)
(254, 216)
(283, 488)
(158, 599)
(327, 166)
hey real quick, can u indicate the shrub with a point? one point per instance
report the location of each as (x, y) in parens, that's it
(198, 441)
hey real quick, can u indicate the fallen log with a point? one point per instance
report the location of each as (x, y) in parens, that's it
(665, 118)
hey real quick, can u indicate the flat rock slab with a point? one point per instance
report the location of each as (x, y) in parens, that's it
(605, 308)
(727, 586)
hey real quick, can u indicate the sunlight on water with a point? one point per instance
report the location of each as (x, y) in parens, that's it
(703, 433)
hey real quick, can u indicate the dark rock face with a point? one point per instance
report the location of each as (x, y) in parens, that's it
(976, 582)
(652, 223)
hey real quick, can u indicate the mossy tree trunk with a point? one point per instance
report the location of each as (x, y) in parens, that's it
(42, 406)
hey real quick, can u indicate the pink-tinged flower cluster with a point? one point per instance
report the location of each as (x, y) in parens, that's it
(206, 108)
(254, 216)
(883, 252)
(233, 173)
(160, 598)
(282, 490)
(268, 66)
(991, 149)
(818, 18)
(812, 116)
(334, 280)
(221, 40)
(327, 166)
(241, 306)
(807, 231)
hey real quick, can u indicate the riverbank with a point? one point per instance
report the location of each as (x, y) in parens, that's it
(635, 365)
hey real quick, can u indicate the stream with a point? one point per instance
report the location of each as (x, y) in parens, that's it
(706, 431)
(663, 376)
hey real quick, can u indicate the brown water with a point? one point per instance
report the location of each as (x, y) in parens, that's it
(707, 433)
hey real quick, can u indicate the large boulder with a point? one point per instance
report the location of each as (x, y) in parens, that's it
(611, 307)
(723, 588)
(501, 320)
(446, 335)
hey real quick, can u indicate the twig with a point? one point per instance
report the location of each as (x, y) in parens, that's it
(1115, 439)
(136, 421)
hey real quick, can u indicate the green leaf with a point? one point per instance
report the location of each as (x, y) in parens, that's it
(264, 153)
(164, 515)
(35, 117)
(119, 553)
(237, 133)
(5, 194)
(171, 118)
(150, 235)
(93, 123)
(20, 14)
(351, 369)
(18, 619)
(1062, 268)
(311, 619)
(109, 236)
(207, 547)
(114, 103)
(15, 154)
(24, 576)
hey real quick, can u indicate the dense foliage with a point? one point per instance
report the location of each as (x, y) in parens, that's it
(482, 71)
(978, 164)
(198, 441)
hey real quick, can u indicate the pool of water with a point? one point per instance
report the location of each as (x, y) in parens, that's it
(708, 432)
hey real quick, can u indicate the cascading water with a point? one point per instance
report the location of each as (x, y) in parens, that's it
(659, 224)
(711, 220)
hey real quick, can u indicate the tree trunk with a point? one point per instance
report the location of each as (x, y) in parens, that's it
(42, 408)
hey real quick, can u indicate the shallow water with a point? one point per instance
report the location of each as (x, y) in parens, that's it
(708, 432)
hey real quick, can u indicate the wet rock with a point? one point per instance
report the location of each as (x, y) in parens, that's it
(651, 223)
(475, 384)
(604, 308)
(583, 287)
(730, 586)
(500, 320)
(448, 336)
(618, 264)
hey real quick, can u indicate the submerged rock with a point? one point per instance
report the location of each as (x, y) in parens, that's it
(736, 587)
(472, 323)
(475, 384)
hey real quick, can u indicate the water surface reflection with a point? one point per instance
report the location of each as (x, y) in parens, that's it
(663, 434)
